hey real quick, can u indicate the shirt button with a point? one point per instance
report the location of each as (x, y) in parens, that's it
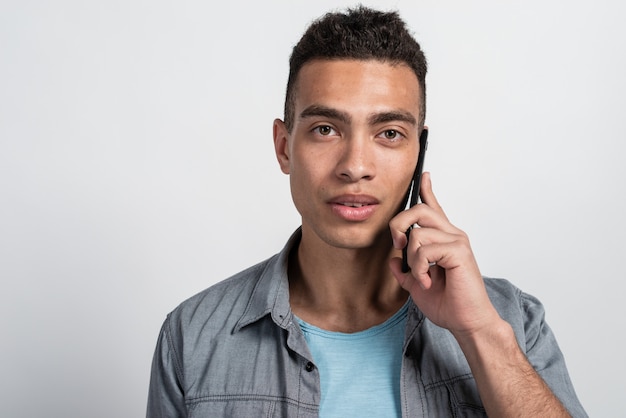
(309, 367)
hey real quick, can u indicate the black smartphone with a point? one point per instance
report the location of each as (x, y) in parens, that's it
(415, 190)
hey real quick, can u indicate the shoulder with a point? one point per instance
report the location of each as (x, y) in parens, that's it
(507, 298)
(224, 299)
(523, 311)
(238, 300)
(192, 332)
(199, 334)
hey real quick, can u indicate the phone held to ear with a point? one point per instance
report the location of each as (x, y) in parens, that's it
(415, 191)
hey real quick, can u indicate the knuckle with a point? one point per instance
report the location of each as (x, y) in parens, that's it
(462, 247)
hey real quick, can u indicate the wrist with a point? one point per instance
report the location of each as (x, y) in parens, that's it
(490, 341)
(507, 382)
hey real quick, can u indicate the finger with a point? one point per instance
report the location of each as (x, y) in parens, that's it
(425, 236)
(428, 196)
(456, 254)
(422, 215)
(408, 281)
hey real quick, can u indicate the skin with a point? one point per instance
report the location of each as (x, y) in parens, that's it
(355, 141)
(354, 138)
(452, 294)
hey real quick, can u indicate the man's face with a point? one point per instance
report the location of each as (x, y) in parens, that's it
(352, 150)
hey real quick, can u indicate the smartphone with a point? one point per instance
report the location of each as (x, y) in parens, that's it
(414, 188)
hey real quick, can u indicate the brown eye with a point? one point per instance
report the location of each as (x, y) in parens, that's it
(391, 134)
(324, 130)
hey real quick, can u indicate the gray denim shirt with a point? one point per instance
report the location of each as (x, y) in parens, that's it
(235, 350)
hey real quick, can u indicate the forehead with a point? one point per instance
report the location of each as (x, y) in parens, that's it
(357, 86)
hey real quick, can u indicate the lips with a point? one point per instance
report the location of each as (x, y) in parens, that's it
(354, 205)
(354, 208)
(354, 200)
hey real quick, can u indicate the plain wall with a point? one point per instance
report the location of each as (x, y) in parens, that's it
(137, 168)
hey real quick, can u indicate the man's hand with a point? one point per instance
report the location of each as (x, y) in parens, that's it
(444, 280)
(446, 284)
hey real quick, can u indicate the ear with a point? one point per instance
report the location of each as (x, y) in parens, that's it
(281, 145)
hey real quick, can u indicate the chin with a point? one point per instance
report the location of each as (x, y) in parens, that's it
(357, 238)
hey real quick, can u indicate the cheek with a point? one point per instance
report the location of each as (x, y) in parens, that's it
(399, 170)
(300, 179)
(308, 169)
(308, 181)
(303, 190)
(401, 179)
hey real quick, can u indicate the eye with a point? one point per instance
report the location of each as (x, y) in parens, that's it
(324, 130)
(391, 135)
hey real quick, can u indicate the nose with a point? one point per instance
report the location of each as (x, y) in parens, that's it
(356, 160)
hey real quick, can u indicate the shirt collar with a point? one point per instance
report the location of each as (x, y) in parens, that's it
(271, 292)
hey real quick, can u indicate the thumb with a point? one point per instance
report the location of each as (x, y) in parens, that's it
(406, 280)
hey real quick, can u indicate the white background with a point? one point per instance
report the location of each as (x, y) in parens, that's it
(136, 169)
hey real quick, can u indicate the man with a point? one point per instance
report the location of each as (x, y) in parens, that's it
(332, 326)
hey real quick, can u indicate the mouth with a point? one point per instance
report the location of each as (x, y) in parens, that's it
(354, 200)
(354, 207)
(353, 204)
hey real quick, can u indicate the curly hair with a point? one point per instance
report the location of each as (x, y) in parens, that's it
(360, 33)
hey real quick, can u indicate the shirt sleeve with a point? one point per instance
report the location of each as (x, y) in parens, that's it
(166, 397)
(544, 354)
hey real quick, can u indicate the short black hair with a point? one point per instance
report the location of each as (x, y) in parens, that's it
(360, 33)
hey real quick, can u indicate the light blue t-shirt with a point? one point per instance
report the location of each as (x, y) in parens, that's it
(359, 372)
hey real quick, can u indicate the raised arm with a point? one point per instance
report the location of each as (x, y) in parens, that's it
(446, 284)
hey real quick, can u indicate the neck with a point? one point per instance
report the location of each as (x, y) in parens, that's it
(342, 289)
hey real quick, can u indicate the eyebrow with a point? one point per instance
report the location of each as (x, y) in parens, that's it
(373, 119)
(393, 116)
(325, 112)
